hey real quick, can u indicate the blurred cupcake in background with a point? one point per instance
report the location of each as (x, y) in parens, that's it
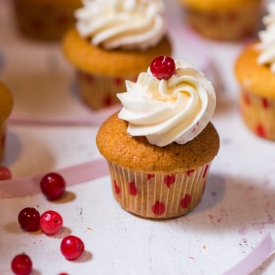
(255, 72)
(45, 19)
(223, 19)
(113, 41)
(6, 103)
(159, 147)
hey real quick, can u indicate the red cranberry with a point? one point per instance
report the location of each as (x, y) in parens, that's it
(5, 173)
(72, 247)
(163, 67)
(29, 219)
(21, 265)
(53, 186)
(51, 222)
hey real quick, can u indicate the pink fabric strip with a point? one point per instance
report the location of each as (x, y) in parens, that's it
(72, 175)
(255, 258)
(93, 118)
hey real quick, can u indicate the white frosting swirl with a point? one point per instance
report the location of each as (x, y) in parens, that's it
(125, 24)
(166, 111)
(267, 38)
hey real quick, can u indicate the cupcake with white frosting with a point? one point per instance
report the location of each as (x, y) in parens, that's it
(159, 147)
(113, 41)
(255, 72)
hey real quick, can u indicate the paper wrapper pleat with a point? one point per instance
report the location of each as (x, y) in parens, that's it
(225, 24)
(44, 21)
(158, 195)
(99, 91)
(258, 114)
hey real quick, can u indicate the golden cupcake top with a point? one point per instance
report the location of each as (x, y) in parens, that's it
(211, 5)
(256, 78)
(137, 154)
(96, 60)
(6, 103)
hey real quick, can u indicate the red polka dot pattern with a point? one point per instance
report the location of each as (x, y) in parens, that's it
(265, 103)
(117, 189)
(205, 171)
(158, 208)
(169, 179)
(189, 172)
(185, 201)
(150, 176)
(132, 188)
(260, 131)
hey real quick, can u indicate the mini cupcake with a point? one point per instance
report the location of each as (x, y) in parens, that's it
(223, 19)
(255, 72)
(113, 41)
(6, 103)
(159, 147)
(45, 19)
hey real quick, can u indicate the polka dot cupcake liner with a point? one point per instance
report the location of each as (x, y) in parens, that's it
(99, 91)
(43, 21)
(258, 114)
(225, 25)
(158, 195)
(2, 141)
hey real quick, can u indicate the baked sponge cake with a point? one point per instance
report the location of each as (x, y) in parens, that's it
(6, 104)
(255, 72)
(111, 43)
(223, 19)
(159, 147)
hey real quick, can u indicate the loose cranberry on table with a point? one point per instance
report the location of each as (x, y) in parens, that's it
(51, 222)
(163, 67)
(72, 247)
(5, 173)
(53, 186)
(29, 219)
(21, 265)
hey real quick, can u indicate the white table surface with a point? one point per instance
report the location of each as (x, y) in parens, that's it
(236, 211)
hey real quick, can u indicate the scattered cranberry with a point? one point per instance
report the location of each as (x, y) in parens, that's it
(51, 222)
(29, 219)
(53, 186)
(163, 67)
(72, 247)
(21, 265)
(5, 173)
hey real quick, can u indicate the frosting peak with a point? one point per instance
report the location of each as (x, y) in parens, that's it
(172, 110)
(267, 38)
(126, 24)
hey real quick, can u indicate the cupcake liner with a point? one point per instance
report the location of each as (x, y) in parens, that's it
(43, 21)
(2, 141)
(258, 114)
(225, 25)
(99, 91)
(158, 195)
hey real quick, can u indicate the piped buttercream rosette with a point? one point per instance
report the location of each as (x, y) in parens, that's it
(125, 24)
(169, 110)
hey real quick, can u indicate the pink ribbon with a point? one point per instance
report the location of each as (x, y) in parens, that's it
(255, 258)
(72, 175)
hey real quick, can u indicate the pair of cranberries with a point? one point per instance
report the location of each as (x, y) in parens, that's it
(71, 247)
